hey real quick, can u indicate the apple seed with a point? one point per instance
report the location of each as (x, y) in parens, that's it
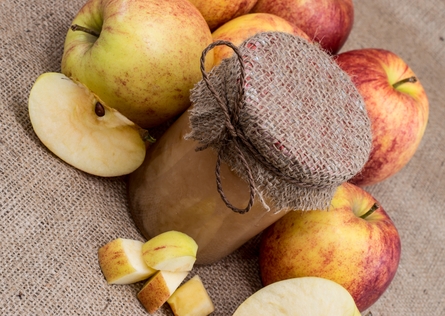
(99, 109)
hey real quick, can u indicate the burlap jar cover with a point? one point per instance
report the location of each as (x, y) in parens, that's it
(285, 117)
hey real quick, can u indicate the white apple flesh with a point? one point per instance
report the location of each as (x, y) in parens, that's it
(300, 297)
(191, 299)
(121, 262)
(79, 128)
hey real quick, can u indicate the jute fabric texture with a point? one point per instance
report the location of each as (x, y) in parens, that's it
(282, 104)
(53, 218)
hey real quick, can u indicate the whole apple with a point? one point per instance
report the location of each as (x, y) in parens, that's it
(218, 12)
(397, 106)
(245, 26)
(327, 22)
(354, 243)
(140, 57)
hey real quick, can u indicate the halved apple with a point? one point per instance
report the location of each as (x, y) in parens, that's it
(191, 299)
(170, 251)
(121, 262)
(74, 124)
(300, 297)
(159, 288)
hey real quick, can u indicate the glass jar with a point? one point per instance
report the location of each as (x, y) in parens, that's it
(175, 189)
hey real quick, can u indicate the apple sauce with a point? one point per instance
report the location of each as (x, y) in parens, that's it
(175, 189)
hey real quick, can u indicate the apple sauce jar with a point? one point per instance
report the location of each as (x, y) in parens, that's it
(267, 132)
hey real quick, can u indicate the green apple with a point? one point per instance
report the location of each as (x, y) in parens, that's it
(397, 106)
(78, 127)
(121, 262)
(170, 251)
(354, 243)
(140, 57)
(191, 299)
(305, 296)
(158, 289)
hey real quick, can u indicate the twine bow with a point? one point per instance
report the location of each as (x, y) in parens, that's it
(231, 117)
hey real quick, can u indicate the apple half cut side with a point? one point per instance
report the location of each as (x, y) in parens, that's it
(80, 129)
(300, 297)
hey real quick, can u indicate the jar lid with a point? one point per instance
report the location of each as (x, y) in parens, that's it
(284, 116)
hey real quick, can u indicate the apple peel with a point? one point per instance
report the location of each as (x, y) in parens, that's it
(74, 124)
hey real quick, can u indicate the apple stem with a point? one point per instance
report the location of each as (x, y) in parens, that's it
(399, 83)
(76, 27)
(371, 210)
(146, 137)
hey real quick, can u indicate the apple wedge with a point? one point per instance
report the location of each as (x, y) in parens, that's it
(159, 288)
(121, 262)
(79, 128)
(300, 297)
(191, 299)
(170, 251)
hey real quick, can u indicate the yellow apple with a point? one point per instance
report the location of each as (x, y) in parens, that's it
(81, 129)
(397, 106)
(354, 243)
(245, 26)
(159, 288)
(191, 299)
(170, 251)
(140, 57)
(121, 262)
(305, 296)
(218, 12)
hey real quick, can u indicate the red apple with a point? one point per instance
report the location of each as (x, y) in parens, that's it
(354, 243)
(327, 22)
(397, 106)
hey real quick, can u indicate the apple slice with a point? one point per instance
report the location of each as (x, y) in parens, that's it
(170, 251)
(121, 262)
(79, 128)
(159, 288)
(300, 297)
(191, 299)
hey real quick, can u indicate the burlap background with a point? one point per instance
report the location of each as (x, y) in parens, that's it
(53, 218)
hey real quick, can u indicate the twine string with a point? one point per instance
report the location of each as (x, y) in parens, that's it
(231, 117)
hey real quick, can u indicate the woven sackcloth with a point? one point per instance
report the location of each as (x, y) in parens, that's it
(53, 218)
(302, 125)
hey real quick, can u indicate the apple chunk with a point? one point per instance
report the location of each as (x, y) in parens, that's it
(79, 128)
(121, 262)
(300, 297)
(170, 251)
(191, 299)
(159, 288)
